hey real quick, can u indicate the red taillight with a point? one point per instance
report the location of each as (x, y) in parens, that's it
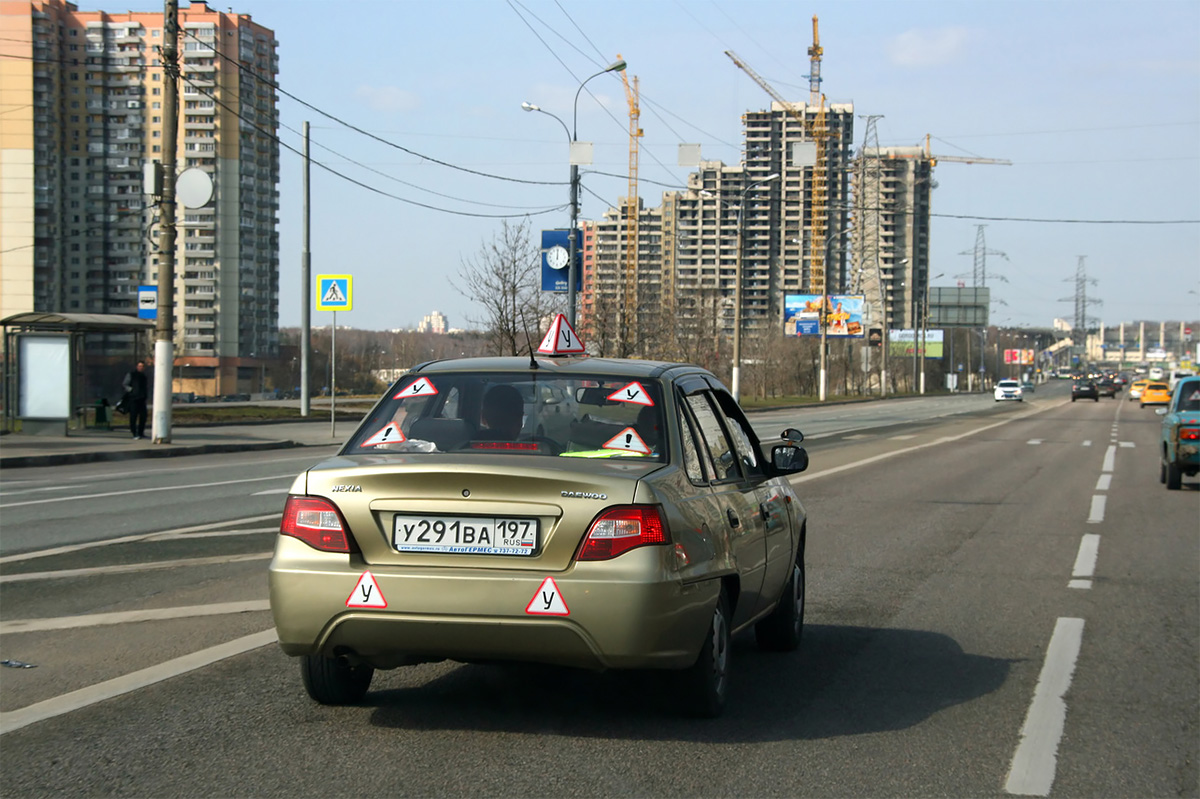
(316, 522)
(619, 530)
(1189, 434)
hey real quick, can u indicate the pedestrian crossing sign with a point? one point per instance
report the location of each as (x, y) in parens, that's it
(334, 292)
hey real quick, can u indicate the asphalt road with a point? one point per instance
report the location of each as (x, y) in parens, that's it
(971, 576)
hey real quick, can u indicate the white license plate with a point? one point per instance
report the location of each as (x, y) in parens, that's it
(466, 535)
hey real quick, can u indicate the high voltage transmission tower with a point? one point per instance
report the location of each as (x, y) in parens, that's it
(980, 254)
(1079, 327)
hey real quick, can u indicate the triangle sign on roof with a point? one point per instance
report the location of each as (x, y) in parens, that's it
(561, 338)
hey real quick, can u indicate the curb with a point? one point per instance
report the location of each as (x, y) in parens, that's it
(61, 459)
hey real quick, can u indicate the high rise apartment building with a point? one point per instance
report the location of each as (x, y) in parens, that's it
(82, 94)
(621, 306)
(893, 187)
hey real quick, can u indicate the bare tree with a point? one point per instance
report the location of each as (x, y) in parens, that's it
(503, 280)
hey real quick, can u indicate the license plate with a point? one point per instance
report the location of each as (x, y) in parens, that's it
(466, 535)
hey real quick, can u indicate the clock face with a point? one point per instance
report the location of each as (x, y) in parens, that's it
(557, 257)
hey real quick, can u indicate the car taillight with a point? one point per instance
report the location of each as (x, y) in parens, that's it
(1189, 434)
(316, 522)
(621, 529)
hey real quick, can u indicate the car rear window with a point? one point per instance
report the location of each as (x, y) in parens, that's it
(1008, 384)
(492, 413)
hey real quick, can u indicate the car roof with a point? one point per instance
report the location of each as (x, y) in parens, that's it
(617, 367)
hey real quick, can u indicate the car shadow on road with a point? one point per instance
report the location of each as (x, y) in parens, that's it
(842, 681)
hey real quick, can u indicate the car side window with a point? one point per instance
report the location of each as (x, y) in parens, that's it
(739, 430)
(693, 465)
(724, 458)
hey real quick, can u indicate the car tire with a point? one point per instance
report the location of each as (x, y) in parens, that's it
(705, 683)
(1096, 398)
(333, 681)
(783, 629)
(1072, 399)
(1174, 476)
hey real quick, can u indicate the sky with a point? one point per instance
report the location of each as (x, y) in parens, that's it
(1096, 103)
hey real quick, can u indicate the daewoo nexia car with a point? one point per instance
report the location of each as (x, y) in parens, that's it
(641, 533)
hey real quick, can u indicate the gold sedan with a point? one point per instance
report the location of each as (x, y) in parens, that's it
(603, 514)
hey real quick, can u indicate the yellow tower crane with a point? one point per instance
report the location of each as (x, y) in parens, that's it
(630, 297)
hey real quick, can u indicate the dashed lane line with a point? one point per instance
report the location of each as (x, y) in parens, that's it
(192, 487)
(1036, 760)
(1104, 483)
(129, 616)
(1085, 561)
(1097, 513)
(75, 700)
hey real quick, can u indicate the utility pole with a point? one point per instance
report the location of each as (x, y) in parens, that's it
(869, 197)
(305, 289)
(1080, 327)
(164, 344)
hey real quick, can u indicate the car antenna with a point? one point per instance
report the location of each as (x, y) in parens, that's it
(533, 364)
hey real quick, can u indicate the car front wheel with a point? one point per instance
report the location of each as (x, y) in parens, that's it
(782, 630)
(333, 681)
(706, 683)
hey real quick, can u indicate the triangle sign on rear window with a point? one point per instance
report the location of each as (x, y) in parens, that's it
(561, 338)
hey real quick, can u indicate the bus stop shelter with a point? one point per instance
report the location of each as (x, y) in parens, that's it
(45, 365)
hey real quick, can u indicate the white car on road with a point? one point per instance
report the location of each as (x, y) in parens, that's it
(1008, 390)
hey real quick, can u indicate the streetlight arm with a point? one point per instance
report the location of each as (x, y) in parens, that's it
(616, 66)
(540, 110)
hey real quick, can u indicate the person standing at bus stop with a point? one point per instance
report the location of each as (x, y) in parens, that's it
(136, 392)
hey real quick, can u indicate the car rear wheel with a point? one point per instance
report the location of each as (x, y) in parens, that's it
(782, 630)
(333, 681)
(1174, 476)
(706, 682)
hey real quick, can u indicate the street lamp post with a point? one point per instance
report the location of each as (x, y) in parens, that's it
(737, 287)
(822, 316)
(572, 231)
(925, 326)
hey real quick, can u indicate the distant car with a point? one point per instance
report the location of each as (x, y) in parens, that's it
(1028, 387)
(1156, 393)
(1136, 388)
(1008, 390)
(1181, 434)
(1084, 389)
(642, 533)
(1107, 388)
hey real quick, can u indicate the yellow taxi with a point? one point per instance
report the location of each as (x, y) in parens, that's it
(1136, 388)
(1156, 394)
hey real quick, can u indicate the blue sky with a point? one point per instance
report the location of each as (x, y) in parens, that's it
(1097, 104)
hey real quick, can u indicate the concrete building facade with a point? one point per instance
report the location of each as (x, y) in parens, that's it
(86, 92)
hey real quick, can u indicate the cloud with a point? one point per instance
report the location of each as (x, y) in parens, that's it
(387, 98)
(926, 48)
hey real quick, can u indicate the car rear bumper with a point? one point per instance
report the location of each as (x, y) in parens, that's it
(624, 613)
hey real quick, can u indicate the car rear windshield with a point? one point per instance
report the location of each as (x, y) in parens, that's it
(1008, 384)
(491, 413)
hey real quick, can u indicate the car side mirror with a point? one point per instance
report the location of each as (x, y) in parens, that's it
(789, 459)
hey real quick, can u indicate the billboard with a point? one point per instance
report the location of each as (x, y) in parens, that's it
(843, 314)
(900, 343)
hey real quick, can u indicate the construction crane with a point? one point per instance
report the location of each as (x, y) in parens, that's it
(958, 159)
(817, 130)
(631, 213)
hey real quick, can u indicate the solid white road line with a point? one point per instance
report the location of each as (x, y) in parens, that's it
(128, 616)
(1087, 443)
(270, 491)
(1097, 514)
(1085, 561)
(1034, 441)
(1036, 758)
(192, 487)
(178, 531)
(40, 711)
(131, 568)
(1104, 483)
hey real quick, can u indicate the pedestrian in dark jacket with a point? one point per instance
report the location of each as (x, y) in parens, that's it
(136, 393)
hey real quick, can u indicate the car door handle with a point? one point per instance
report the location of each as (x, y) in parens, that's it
(733, 519)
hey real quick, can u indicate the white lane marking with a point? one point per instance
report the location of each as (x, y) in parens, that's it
(193, 487)
(1109, 457)
(1104, 483)
(903, 438)
(1034, 441)
(1128, 444)
(212, 534)
(129, 616)
(858, 436)
(1097, 513)
(57, 706)
(1085, 561)
(271, 491)
(1036, 759)
(1087, 443)
(178, 532)
(130, 568)
(1085, 584)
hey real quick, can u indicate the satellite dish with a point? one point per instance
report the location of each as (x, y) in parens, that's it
(194, 188)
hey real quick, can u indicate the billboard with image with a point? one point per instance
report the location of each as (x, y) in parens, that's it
(843, 312)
